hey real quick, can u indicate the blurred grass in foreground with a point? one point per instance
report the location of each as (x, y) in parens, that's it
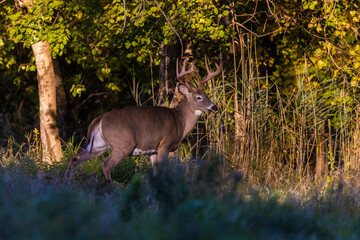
(193, 200)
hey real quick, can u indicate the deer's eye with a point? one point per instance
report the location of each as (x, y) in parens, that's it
(199, 98)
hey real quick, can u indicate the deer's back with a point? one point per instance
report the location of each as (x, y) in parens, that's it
(146, 126)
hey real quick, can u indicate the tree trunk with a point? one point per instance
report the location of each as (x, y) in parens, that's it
(355, 153)
(61, 100)
(321, 165)
(167, 78)
(49, 131)
(163, 81)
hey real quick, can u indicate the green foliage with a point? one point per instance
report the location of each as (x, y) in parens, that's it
(42, 22)
(330, 39)
(88, 32)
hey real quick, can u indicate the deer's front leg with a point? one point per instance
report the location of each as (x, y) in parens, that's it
(160, 160)
(153, 159)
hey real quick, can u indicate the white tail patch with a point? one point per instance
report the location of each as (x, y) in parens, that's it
(97, 142)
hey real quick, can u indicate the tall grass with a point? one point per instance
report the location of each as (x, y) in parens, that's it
(307, 135)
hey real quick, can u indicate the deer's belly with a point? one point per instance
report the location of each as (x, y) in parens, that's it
(137, 152)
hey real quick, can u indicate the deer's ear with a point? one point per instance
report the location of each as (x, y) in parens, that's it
(183, 89)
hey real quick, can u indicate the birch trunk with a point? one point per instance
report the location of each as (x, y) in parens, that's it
(49, 131)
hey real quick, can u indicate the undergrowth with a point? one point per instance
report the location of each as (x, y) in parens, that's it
(193, 200)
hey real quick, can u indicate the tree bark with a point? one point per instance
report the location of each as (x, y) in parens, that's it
(240, 109)
(49, 131)
(163, 78)
(355, 153)
(321, 165)
(167, 78)
(61, 100)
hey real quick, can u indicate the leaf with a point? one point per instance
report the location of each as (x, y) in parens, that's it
(13, 31)
(15, 16)
(77, 89)
(318, 28)
(356, 65)
(321, 64)
(113, 87)
(354, 82)
(313, 5)
(20, 37)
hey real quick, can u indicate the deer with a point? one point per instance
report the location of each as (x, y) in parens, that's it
(152, 130)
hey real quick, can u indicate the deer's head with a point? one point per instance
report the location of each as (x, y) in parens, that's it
(196, 96)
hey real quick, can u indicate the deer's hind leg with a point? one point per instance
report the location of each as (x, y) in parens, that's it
(115, 157)
(119, 150)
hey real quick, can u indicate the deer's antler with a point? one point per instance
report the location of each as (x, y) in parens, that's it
(181, 76)
(184, 72)
(210, 73)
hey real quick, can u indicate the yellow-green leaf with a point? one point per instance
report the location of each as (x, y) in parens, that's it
(356, 65)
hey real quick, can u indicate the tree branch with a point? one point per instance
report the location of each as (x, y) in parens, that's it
(42, 9)
(87, 99)
(124, 18)
(257, 35)
(182, 47)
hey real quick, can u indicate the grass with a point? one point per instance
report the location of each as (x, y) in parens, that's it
(192, 200)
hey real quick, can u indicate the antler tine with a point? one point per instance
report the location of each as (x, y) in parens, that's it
(183, 69)
(210, 73)
(178, 75)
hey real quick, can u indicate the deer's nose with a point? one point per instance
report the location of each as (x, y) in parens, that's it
(213, 108)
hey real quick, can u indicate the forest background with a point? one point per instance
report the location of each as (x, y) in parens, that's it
(288, 92)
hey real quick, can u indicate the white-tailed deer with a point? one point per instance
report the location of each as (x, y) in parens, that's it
(155, 131)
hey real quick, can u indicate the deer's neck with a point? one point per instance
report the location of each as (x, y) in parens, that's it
(188, 116)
